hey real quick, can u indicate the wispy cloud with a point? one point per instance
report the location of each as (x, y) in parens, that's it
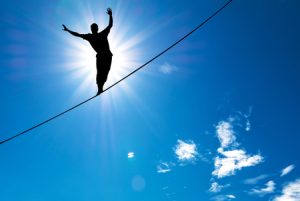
(167, 68)
(269, 188)
(223, 197)
(165, 188)
(287, 170)
(230, 161)
(164, 167)
(186, 151)
(231, 196)
(290, 192)
(255, 180)
(225, 134)
(248, 125)
(215, 187)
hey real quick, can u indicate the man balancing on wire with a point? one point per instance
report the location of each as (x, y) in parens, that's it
(99, 42)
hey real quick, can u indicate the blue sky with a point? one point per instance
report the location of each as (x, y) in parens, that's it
(216, 118)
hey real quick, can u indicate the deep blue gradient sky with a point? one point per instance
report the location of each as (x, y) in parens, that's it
(216, 118)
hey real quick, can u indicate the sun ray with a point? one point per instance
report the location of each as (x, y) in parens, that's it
(81, 58)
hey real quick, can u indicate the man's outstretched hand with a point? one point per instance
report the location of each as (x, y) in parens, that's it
(65, 28)
(109, 12)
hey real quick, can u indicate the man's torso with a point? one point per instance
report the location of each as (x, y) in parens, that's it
(99, 42)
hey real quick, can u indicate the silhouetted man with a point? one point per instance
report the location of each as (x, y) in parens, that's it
(99, 42)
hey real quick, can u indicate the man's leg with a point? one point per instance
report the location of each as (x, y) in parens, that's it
(103, 67)
(98, 76)
(100, 83)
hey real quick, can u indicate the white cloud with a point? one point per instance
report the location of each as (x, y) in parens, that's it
(186, 151)
(231, 196)
(161, 170)
(164, 167)
(225, 134)
(130, 154)
(166, 68)
(290, 192)
(287, 170)
(228, 161)
(215, 187)
(223, 197)
(255, 180)
(248, 125)
(270, 187)
(234, 160)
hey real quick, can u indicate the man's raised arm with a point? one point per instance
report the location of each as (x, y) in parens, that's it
(109, 12)
(71, 32)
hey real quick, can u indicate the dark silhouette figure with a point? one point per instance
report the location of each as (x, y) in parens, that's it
(99, 42)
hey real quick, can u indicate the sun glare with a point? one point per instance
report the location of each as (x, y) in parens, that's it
(81, 58)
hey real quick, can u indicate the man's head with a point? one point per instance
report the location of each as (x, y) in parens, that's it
(94, 28)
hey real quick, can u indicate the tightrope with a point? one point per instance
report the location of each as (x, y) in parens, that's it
(137, 69)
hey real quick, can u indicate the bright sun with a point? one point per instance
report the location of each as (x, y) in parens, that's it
(81, 58)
